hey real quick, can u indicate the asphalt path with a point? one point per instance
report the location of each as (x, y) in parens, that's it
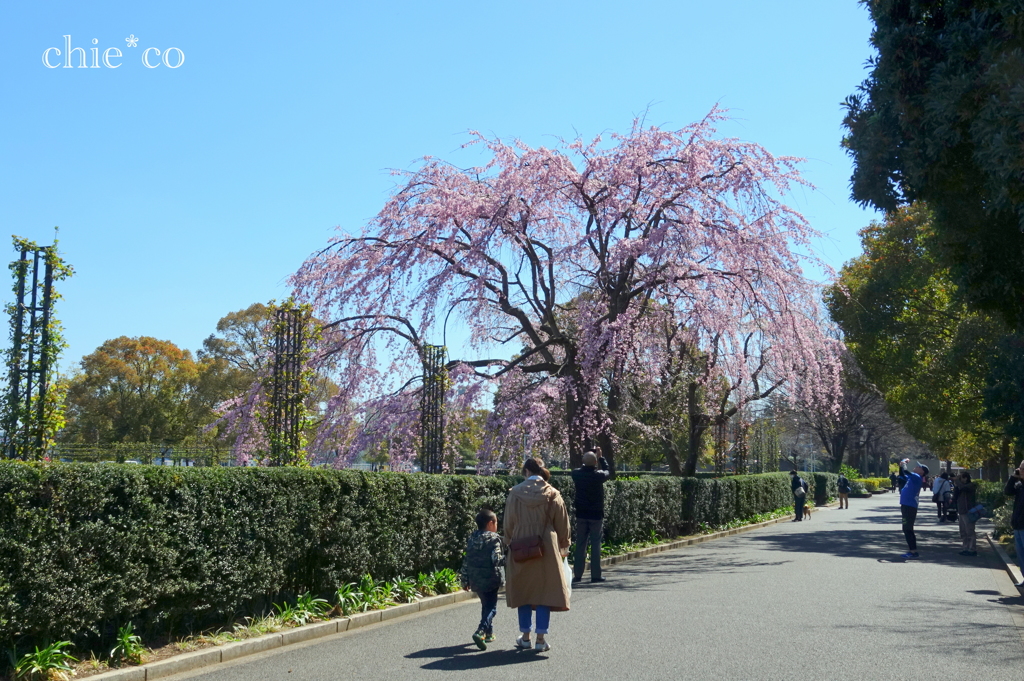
(828, 598)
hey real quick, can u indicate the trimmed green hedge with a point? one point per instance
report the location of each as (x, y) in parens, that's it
(87, 547)
(824, 486)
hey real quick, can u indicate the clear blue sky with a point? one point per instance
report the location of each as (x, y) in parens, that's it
(183, 194)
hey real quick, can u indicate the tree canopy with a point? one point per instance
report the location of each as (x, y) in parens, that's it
(571, 256)
(931, 356)
(940, 119)
(135, 390)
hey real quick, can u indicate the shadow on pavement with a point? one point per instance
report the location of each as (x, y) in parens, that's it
(466, 657)
(934, 545)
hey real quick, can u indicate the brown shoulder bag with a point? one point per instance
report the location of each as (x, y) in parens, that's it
(526, 549)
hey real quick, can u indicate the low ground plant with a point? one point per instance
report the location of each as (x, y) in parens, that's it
(446, 581)
(426, 583)
(129, 648)
(404, 590)
(51, 663)
(348, 598)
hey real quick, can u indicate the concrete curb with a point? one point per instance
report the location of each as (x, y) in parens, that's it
(232, 651)
(1008, 563)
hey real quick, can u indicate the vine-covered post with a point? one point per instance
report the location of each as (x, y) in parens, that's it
(435, 384)
(290, 385)
(33, 411)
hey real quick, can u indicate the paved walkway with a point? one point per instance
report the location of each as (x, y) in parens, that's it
(824, 599)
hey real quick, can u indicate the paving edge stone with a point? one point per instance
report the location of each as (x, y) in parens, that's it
(1008, 563)
(232, 651)
(182, 663)
(127, 674)
(310, 631)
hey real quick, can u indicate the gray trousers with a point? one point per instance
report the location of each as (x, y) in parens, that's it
(587, 530)
(967, 534)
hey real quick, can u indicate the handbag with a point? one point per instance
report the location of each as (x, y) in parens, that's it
(974, 514)
(526, 549)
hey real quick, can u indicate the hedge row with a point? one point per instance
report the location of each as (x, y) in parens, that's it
(87, 547)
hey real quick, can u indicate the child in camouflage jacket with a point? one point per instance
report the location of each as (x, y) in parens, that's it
(482, 572)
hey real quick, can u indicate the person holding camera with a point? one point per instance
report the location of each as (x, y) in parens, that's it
(908, 504)
(589, 481)
(1015, 488)
(964, 500)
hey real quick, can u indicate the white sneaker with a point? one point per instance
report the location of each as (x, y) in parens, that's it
(542, 647)
(521, 644)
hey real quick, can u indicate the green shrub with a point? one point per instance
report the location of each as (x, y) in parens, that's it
(85, 545)
(990, 494)
(824, 487)
(1001, 521)
(874, 484)
(716, 502)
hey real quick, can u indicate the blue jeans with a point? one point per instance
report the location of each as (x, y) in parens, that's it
(543, 618)
(488, 609)
(1018, 543)
(587, 529)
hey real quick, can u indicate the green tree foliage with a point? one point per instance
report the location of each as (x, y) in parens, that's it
(940, 119)
(914, 337)
(240, 339)
(142, 390)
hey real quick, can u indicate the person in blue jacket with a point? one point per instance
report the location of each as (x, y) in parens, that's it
(908, 504)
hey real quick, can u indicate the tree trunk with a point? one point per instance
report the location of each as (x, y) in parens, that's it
(699, 423)
(668, 447)
(838, 451)
(1003, 470)
(988, 469)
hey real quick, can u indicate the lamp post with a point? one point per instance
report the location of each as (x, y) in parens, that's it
(863, 441)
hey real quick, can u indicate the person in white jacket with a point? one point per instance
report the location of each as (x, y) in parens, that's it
(942, 493)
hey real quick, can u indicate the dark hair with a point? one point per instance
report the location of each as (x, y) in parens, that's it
(536, 467)
(484, 518)
(965, 475)
(945, 475)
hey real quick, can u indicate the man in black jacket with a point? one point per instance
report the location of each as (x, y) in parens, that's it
(1015, 488)
(589, 482)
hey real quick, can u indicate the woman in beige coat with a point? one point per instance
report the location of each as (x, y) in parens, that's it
(535, 509)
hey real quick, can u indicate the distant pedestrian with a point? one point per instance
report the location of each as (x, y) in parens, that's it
(892, 482)
(482, 574)
(589, 481)
(536, 529)
(964, 494)
(908, 504)
(844, 491)
(799, 488)
(1015, 489)
(942, 494)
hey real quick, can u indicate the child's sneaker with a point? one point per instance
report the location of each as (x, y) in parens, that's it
(479, 640)
(489, 638)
